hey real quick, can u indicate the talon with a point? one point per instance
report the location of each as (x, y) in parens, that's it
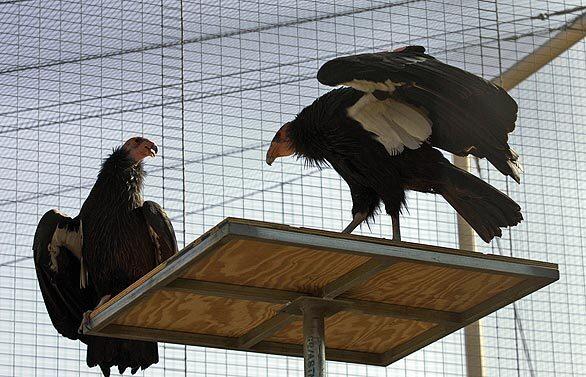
(85, 322)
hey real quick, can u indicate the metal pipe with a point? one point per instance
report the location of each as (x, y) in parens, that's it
(566, 38)
(314, 344)
(556, 45)
(472, 333)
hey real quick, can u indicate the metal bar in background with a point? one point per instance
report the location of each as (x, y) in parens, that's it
(556, 45)
(520, 71)
(472, 333)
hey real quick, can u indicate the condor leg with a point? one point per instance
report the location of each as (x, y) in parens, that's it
(358, 219)
(365, 202)
(396, 227)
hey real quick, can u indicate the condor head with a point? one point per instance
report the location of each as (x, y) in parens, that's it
(139, 148)
(281, 145)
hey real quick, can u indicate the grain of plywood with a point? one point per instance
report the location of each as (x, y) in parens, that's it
(194, 313)
(432, 287)
(358, 332)
(267, 265)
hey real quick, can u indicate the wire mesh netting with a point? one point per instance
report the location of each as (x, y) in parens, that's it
(211, 82)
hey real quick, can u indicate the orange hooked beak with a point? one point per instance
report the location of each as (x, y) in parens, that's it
(281, 145)
(139, 148)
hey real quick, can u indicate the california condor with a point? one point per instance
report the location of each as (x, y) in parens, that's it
(83, 261)
(379, 132)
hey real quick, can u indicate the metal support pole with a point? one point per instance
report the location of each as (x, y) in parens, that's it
(314, 343)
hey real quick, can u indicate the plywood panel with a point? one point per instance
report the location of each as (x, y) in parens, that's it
(432, 287)
(193, 313)
(359, 332)
(269, 265)
(303, 261)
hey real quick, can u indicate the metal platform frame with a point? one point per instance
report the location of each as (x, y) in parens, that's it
(315, 309)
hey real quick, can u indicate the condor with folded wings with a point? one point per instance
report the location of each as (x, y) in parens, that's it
(117, 237)
(380, 133)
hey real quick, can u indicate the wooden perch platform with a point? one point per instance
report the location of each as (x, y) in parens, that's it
(244, 286)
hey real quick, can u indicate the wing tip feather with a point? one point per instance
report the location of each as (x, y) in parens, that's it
(516, 169)
(327, 73)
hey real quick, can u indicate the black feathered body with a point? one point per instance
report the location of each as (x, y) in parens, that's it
(324, 133)
(118, 250)
(117, 246)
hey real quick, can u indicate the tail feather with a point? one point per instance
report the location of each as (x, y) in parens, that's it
(109, 352)
(485, 208)
(105, 369)
(508, 164)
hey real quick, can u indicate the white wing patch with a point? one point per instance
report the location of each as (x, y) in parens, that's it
(73, 241)
(370, 86)
(396, 124)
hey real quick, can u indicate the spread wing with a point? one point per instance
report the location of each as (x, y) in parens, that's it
(411, 97)
(161, 230)
(58, 273)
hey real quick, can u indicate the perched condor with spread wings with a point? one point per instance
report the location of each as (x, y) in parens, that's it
(116, 238)
(380, 132)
